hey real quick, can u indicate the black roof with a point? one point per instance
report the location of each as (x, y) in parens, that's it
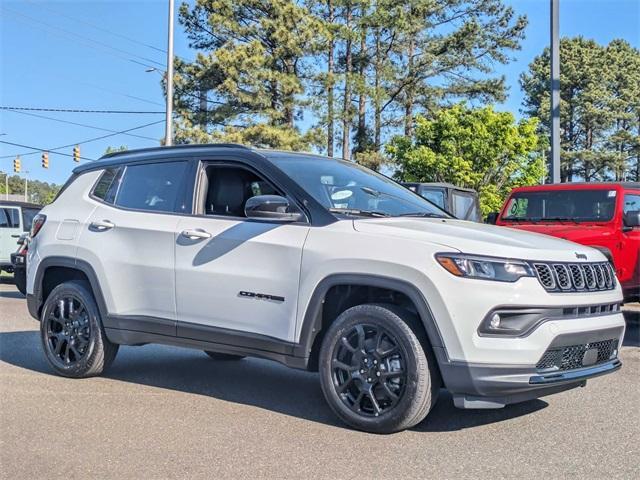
(174, 151)
(13, 203)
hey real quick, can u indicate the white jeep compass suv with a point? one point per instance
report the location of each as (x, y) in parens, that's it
(319, 264)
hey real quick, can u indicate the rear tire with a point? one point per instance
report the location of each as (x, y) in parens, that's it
(71, 332)
(374, 371)
(20, 279)
(225, 357)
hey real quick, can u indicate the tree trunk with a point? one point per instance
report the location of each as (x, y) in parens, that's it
(346, 109)
(408, 106)
(362, 99)
(330, 113)
(376, 95)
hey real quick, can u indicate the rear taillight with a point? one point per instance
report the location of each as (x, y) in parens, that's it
(36, 225)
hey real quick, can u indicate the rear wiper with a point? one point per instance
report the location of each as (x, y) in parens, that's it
(355, 211)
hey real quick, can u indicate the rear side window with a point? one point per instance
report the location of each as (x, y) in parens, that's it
(151, 186)
(631, 202)
(107, 186)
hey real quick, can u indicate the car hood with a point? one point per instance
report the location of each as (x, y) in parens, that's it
(478, 238)
(580, 233)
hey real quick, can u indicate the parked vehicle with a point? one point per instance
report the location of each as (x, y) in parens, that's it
(19, 263)
(605, 216)
(15, 219)
(462, 203)
(319, 264)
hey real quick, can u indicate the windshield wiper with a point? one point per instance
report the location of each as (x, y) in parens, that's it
(558, 219)
(355, 211)
(422, 214)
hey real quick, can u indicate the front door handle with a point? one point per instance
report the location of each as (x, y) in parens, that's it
(196, 234)
(101, 226)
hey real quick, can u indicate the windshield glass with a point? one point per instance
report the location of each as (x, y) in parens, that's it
(434, 195)
(344, 186)
(561, 205)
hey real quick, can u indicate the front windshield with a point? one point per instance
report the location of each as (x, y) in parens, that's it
(346, 187)
(561, 205)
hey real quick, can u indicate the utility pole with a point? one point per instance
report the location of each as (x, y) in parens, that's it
(555, 91)
(26, 188)
(168, 133)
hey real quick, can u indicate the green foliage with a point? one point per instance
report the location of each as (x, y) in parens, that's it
(121, 148)
(477, 148)
(360, 69)
(599, 107)
(38, 192)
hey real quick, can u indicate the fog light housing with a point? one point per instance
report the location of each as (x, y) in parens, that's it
(495, 321)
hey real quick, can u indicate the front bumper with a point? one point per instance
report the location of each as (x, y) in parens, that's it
(494, 386)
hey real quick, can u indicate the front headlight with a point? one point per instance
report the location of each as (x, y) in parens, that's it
(485, 268)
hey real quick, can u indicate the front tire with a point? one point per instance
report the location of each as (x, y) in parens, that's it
(71, 332)
(374, 371)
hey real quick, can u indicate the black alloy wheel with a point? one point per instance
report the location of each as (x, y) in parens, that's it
(368, 370)
(68, 330)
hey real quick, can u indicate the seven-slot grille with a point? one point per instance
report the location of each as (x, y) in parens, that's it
(571, 277)
(568, 358)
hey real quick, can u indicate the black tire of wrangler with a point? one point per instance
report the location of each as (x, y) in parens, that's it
(421, 389)
(225, 357)
(101, 352)
(20, 279)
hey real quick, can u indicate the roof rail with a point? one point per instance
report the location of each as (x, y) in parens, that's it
(186, 145)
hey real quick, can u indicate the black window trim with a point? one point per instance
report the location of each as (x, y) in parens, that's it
(198, 183)
(180, 196)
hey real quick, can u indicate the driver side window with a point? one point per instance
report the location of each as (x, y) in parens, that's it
(228, 188)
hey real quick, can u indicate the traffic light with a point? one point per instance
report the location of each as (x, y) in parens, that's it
(76, 153)
(16, 165)
(45, 159)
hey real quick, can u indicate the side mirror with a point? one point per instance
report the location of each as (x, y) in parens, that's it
(272, 207)
(492, 218)
(632, 219)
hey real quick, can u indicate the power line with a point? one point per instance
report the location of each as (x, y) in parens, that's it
(130, 39)
(105, 48)
(44, 150)
(114, 92)
(78, 124)
(80, 110)
(54, 150)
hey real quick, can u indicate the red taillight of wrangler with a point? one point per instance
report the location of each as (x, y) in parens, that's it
(36, 225)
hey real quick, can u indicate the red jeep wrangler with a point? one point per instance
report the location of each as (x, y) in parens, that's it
(605, 216)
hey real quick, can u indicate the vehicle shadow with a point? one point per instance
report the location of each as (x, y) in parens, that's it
(259, 383)
(11, 294)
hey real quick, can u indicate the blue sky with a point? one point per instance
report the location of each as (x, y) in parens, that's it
(78, 54)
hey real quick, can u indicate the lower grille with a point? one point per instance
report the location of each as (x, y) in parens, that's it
(568, 358)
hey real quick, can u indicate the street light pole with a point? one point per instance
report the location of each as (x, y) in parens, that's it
(168, 133)
(555, 92)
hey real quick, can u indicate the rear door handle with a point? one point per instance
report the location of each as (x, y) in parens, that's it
(102, 226)
(195, 234)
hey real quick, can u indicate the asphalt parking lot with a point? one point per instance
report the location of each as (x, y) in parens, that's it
(171, 413)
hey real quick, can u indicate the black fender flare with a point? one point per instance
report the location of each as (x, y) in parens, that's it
(312, 320)
(35, 301)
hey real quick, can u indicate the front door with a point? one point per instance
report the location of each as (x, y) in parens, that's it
(234, 273)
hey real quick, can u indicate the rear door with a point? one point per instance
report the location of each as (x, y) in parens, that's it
(129, 240)
(10, 230)
(241, 274)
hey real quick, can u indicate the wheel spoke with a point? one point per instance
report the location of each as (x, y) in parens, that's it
(67, 350)
(347, 345)
(341, 388)
(392, 374)
(374, 402)
(392, 395)
(60, 339)
(388, 352)
(343, 366)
